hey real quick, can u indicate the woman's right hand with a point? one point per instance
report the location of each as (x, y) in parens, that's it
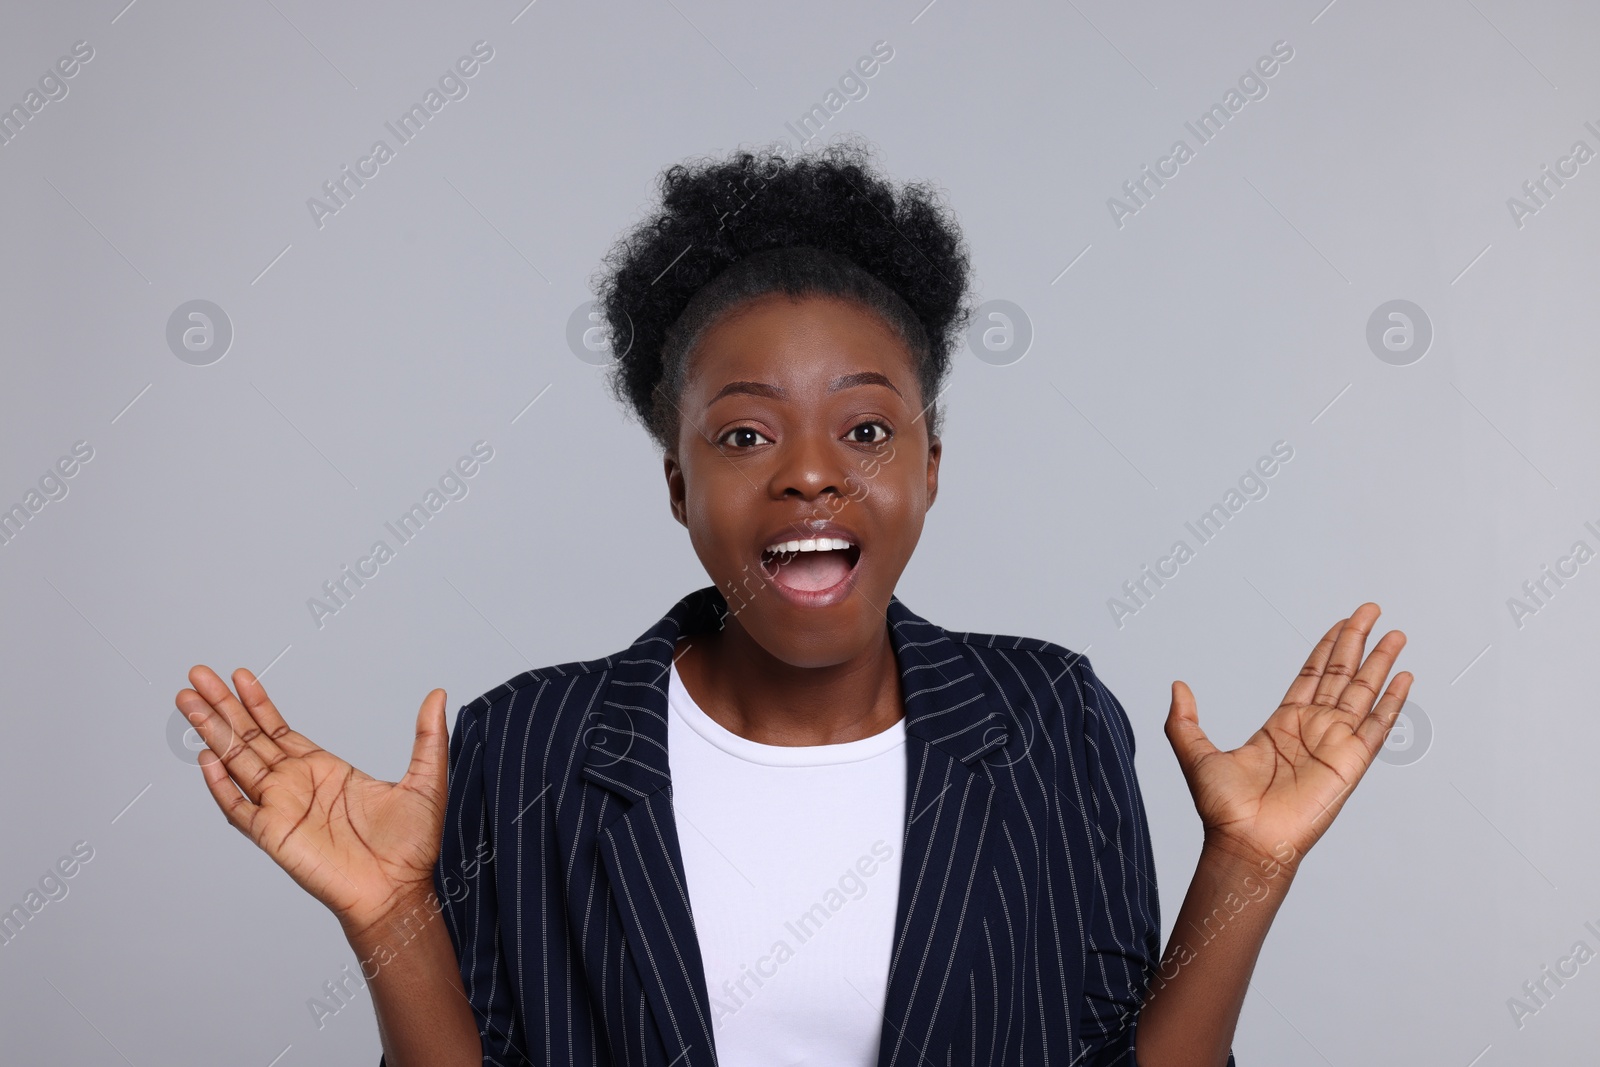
(361, 846)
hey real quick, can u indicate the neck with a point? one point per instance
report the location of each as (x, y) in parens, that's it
(748, 691)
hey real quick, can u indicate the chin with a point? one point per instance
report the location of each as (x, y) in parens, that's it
(814, 638)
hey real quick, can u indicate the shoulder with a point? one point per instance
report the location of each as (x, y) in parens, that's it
(1053, 685)
(1010, 646)
(641, 665)
(556, 703)
(530, 683)
(1043, 666)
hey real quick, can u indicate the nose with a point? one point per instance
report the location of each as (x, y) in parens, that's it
(810, 465)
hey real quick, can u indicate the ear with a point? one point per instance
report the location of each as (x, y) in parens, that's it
(935, 450)
(675, 491)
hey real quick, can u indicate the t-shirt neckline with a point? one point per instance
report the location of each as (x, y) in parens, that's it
(682, 704)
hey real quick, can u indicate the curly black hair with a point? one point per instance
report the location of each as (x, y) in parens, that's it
(821, 223)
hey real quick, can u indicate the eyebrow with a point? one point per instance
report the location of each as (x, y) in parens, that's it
(845, 381)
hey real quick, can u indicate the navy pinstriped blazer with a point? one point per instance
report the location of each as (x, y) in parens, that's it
(1026, 928)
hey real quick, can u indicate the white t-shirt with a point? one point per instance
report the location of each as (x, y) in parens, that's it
(792, 856)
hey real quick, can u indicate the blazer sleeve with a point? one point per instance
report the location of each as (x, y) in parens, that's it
(1124, 937)
(464, 880)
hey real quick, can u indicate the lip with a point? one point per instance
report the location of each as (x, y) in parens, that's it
(801, 530)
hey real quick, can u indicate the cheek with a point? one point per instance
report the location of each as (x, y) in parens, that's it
(897, 499)
(715, 505)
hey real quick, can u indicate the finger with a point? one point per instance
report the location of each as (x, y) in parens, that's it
(236, 807)
(1347, 650)
(1363, 689)
(1374, 729)
(1189, 742)
(1303, 688)
(219, 696)
(238, 759)
(430, 752)
(254, 696)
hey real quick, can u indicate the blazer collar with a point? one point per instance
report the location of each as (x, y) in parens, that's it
(945, 700)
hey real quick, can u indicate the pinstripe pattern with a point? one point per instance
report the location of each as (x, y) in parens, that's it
(1027, 920)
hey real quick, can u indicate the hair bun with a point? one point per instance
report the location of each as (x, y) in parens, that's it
(714, 213)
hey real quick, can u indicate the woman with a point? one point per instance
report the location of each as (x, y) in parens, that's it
(794, 822)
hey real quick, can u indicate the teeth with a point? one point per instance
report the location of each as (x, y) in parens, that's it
(810, 544)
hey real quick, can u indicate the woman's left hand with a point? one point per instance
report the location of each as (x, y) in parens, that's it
(1284, 785)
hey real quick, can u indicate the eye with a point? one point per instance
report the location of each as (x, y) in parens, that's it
(871, 433)
(743, 437)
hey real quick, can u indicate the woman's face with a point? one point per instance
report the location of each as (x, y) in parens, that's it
(803, 419)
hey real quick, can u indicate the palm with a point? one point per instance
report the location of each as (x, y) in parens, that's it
(344, 836)
(357, 844)
(1288, 781)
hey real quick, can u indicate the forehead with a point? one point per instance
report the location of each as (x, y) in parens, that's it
(798, 341)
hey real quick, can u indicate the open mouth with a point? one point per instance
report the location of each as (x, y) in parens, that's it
(812, 565)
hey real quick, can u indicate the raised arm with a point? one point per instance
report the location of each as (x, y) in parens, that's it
(1263, 805)
(365, 848)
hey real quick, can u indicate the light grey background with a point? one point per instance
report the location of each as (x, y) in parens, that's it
(369, 354)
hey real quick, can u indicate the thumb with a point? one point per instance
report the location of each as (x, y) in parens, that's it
(430, 753)
(1189, 743)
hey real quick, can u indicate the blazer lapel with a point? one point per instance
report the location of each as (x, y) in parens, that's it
(627, 754)
(950, 839)
(949, 836)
